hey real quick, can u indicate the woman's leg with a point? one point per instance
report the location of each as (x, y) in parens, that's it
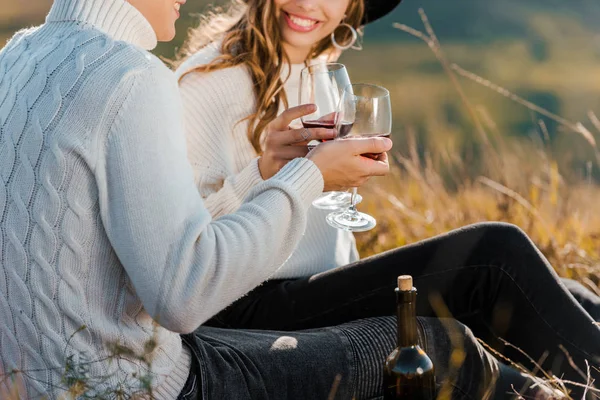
(585, 297)
(489, 276)
(346, 360)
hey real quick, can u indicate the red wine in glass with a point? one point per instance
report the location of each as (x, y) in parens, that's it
(345, 128)
(319, 124)
(327, 124)
(386, 135)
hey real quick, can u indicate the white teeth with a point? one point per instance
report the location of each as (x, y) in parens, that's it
(177, 6)
(306, 23)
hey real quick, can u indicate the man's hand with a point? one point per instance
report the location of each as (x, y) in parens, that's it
(343, 166)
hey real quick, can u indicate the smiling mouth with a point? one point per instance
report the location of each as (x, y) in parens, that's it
(178, 5)
(300, 24)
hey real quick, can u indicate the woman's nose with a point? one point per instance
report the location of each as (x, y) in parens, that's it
(307, 5)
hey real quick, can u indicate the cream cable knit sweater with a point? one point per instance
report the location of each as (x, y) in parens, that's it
(101, 224)
(225, 163)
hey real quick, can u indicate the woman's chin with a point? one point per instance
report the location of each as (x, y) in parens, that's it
(301, 43)
(166, 35)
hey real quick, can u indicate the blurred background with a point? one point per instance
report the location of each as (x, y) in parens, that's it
(517, 145)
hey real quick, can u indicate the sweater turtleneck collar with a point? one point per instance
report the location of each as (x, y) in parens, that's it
(117, 18)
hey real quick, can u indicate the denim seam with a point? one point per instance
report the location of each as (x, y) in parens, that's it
(557, 332)
(352, 359)
(508, 275)
(196, 349)
(185, 395)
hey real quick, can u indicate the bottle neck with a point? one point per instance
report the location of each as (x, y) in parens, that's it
(407, 318)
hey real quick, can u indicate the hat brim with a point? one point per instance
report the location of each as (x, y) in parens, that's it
(375, 9)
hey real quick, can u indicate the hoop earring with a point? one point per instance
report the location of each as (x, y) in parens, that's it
(350, 44)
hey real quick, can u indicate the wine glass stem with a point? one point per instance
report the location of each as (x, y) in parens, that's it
(352, 207)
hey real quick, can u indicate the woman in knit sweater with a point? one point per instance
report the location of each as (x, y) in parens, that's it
(241, 69)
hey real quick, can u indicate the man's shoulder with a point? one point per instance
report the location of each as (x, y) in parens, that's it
(20, 35)
(80, 49)
(132, 60)
(18, 42)
(119, 64)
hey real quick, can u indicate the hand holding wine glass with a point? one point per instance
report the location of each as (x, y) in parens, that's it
(283, 144)
(364, 112)
(342, 164)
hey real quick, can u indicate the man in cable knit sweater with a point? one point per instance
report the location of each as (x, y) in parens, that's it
(104, 238)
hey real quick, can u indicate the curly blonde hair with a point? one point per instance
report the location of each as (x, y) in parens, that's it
(251, 36)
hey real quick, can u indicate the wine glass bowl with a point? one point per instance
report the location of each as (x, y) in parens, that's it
(322, 85)
(364, 111)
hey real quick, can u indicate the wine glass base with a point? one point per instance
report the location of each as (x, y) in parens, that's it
(352, 222)
(335, 201)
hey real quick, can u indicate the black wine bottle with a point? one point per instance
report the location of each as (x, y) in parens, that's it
(408, 371)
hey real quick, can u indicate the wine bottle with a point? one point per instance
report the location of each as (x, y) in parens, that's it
(408, 371)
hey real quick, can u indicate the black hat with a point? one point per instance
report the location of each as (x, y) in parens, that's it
(375, 9)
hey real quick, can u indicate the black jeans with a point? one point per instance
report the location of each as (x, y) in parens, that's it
(489, 276)
(342, 362)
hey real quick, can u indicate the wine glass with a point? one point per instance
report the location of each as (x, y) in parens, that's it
(364, 111)
(323, 84)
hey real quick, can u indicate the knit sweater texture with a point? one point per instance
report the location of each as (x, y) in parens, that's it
(104, 238)
(225, 163)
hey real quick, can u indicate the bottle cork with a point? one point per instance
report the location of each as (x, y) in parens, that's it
(405, 282)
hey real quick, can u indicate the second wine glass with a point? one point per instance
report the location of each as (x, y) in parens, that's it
(323, 84)
(364, 111)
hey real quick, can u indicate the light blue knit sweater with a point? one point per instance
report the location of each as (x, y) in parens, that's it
(101, 225)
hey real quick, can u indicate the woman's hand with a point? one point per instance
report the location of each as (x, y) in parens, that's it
(283, 144)
(343, 165)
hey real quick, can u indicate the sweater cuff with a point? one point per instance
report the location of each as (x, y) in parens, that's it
(249, 177)
(304, 176)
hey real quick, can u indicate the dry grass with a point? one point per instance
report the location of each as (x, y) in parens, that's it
(416, 202)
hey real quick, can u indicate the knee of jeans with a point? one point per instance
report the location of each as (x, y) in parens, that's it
(503, 231)
(500, 233)
(508, 241)
(513, 234)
